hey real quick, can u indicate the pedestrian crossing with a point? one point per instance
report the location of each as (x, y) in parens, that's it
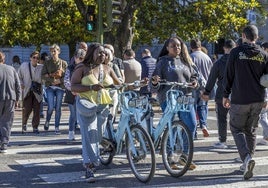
(63, 162)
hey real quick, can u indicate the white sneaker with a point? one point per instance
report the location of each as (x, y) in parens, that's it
(238, 160)
(263, 142)
(249, 164)
(71, 135)
(242, 168)
(220, 145)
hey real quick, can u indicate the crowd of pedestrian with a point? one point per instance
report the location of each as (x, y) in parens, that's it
(50, 79)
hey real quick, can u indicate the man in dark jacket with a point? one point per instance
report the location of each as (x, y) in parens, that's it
(148, 64)
(9, 96)
(216, 74)
(245, 66)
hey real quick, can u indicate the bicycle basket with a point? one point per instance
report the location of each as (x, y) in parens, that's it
(140, 102)
(185, 103)
(172, 96)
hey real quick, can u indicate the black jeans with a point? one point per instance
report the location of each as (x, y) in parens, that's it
(243, 124)
(221, 113)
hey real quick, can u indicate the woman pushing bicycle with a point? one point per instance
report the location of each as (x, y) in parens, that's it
(175, 64)
(89, 80)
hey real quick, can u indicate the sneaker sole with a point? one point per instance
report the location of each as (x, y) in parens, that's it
(191, 167)
(91, 180)
(249, 173)
(3, 151)
(174, 167)
(220, 147)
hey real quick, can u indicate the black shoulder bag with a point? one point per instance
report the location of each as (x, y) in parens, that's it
(35, 86)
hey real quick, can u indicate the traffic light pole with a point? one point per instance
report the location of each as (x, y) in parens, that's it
(100, 23)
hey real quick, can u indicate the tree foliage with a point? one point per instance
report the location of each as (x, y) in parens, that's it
(207, 19)
(27, 22)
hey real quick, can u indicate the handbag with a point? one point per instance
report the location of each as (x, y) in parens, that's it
(264, 80)
(69, 98)
(85, 107)
(35, 86)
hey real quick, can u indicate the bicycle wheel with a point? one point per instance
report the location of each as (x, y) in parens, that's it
(107, 146)
(178, 156)
(140, 153)
(107, 151)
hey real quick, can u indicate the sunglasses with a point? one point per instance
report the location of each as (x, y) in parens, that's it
(80, 58)
(35, 57)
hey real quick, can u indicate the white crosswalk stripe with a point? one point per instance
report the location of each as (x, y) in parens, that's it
(29, 144)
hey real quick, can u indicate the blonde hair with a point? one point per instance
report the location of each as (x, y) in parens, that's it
(109, 53)
(55, 46)
(2, 57)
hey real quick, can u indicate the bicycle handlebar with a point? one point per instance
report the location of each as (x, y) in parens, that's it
(173, 84)
(135, 84)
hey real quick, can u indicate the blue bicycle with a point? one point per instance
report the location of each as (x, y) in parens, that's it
(139, 146)
(174, 136)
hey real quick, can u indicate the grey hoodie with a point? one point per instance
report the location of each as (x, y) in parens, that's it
(173, 69)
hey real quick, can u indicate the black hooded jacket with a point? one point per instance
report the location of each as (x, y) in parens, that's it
(245, 66)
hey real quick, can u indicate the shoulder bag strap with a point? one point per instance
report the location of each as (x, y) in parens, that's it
(100, 81)
(101, 74)
(30, 70)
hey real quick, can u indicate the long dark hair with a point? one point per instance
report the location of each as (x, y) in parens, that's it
(89, 58)
(184, 55)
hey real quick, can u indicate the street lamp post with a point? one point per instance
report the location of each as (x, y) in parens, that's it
(100, 23)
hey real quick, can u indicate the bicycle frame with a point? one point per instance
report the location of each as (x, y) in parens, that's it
(127, 113)
(139, 146)
(176, 101)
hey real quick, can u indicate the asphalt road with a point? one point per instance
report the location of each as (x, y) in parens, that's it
(49, 160)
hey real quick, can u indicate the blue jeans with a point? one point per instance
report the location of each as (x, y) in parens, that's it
(91, 129)
(72, 117)
(43, 100)
(189, 118)
(264, 123)
(202, 112)
(54, 99)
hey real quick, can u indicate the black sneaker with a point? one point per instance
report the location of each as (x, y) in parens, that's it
(249, 164)
(36, 131)
(46, 126)
(24, 128)
(90, 178)
(57, 131)
(3, 148)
